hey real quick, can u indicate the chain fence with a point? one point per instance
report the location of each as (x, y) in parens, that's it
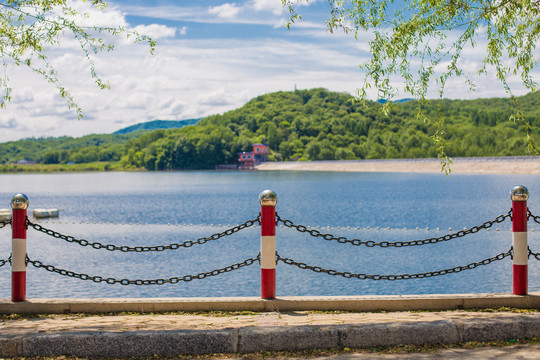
(4, 262)
(360, 276)
(172, 280)
(384, 244)
(535, 255)
(530, 215)
(536, 219)
(173, 246)
(250, 261)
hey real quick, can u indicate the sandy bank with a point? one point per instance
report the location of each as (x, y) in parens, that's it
(520, 165)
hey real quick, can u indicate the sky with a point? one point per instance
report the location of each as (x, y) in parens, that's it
(212, 56)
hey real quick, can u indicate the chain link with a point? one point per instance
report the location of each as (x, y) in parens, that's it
(5, 223)
(172, 280)
(536, 255)
(357, 242)
(173, 246)
(535, 218)
(350, 275)
(4, 262)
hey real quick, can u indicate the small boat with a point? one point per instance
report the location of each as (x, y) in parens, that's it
(46, 213)
(5, 214)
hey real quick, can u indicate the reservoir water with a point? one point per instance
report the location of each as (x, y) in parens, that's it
(159, 208)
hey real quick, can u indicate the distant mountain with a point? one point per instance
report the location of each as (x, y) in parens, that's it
(382, 101)
(157, 125)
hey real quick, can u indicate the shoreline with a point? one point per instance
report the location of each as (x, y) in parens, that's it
(522, 165)
(499, 166)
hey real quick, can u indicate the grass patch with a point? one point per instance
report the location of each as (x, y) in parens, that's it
(50, 168)
(14, 317)
(489, 310)
(504, 309)
(5, 317)
(466, 345)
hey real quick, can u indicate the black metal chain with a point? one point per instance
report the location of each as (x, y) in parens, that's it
(173, 246)
(536, 255)
(4, 262)
(172, 280)
(5, 223)
(357, 242)
(535, 218)
(350, 275)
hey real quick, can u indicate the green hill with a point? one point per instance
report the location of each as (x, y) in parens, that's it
(84, 149)
(321, 125)
(314, 124)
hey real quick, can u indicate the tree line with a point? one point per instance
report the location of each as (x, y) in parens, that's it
(314, 124)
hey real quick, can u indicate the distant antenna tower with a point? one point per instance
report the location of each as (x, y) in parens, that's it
(295, 87)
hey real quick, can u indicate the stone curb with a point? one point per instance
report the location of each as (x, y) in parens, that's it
(253, 339)
(285, 303)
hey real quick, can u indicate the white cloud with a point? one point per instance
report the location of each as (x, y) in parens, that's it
(23, 97)
(303, 25)
(91, 16)
(156, 31)
(225, 11)
(8, 122)
(170, 12)
(274, 6)
(185, 79)
(218, 97)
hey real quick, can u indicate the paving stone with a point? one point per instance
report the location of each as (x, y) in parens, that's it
(434, 332)
(128, 344)
(287, 338)
(500, 328)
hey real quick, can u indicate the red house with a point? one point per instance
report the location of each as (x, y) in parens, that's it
(258, 155)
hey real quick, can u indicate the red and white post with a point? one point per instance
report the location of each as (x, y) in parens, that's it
(519, 197)
(19, 204)
(268, 200)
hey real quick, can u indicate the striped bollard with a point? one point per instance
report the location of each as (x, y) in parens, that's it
(519, 196)
(268, 200)
(19, 204)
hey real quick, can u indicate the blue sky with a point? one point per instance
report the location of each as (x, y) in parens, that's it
(212, 56)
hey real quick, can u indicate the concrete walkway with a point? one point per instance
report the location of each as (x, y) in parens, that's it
(244, 332)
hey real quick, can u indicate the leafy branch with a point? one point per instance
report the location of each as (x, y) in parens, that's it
(434, 33)
(28, 29)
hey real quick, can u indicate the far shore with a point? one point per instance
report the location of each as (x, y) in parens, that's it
(518, 165)
(525, 165)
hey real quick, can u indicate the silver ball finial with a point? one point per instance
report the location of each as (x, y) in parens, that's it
(20, 202)
(519, 193)
(268, 198)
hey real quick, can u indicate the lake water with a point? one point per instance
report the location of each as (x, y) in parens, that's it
(154, 208)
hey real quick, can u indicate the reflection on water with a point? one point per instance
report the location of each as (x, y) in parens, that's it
(175, 207)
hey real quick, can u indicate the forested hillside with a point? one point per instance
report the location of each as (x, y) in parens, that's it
(303, 125)
(322, 125)
(64, 149)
